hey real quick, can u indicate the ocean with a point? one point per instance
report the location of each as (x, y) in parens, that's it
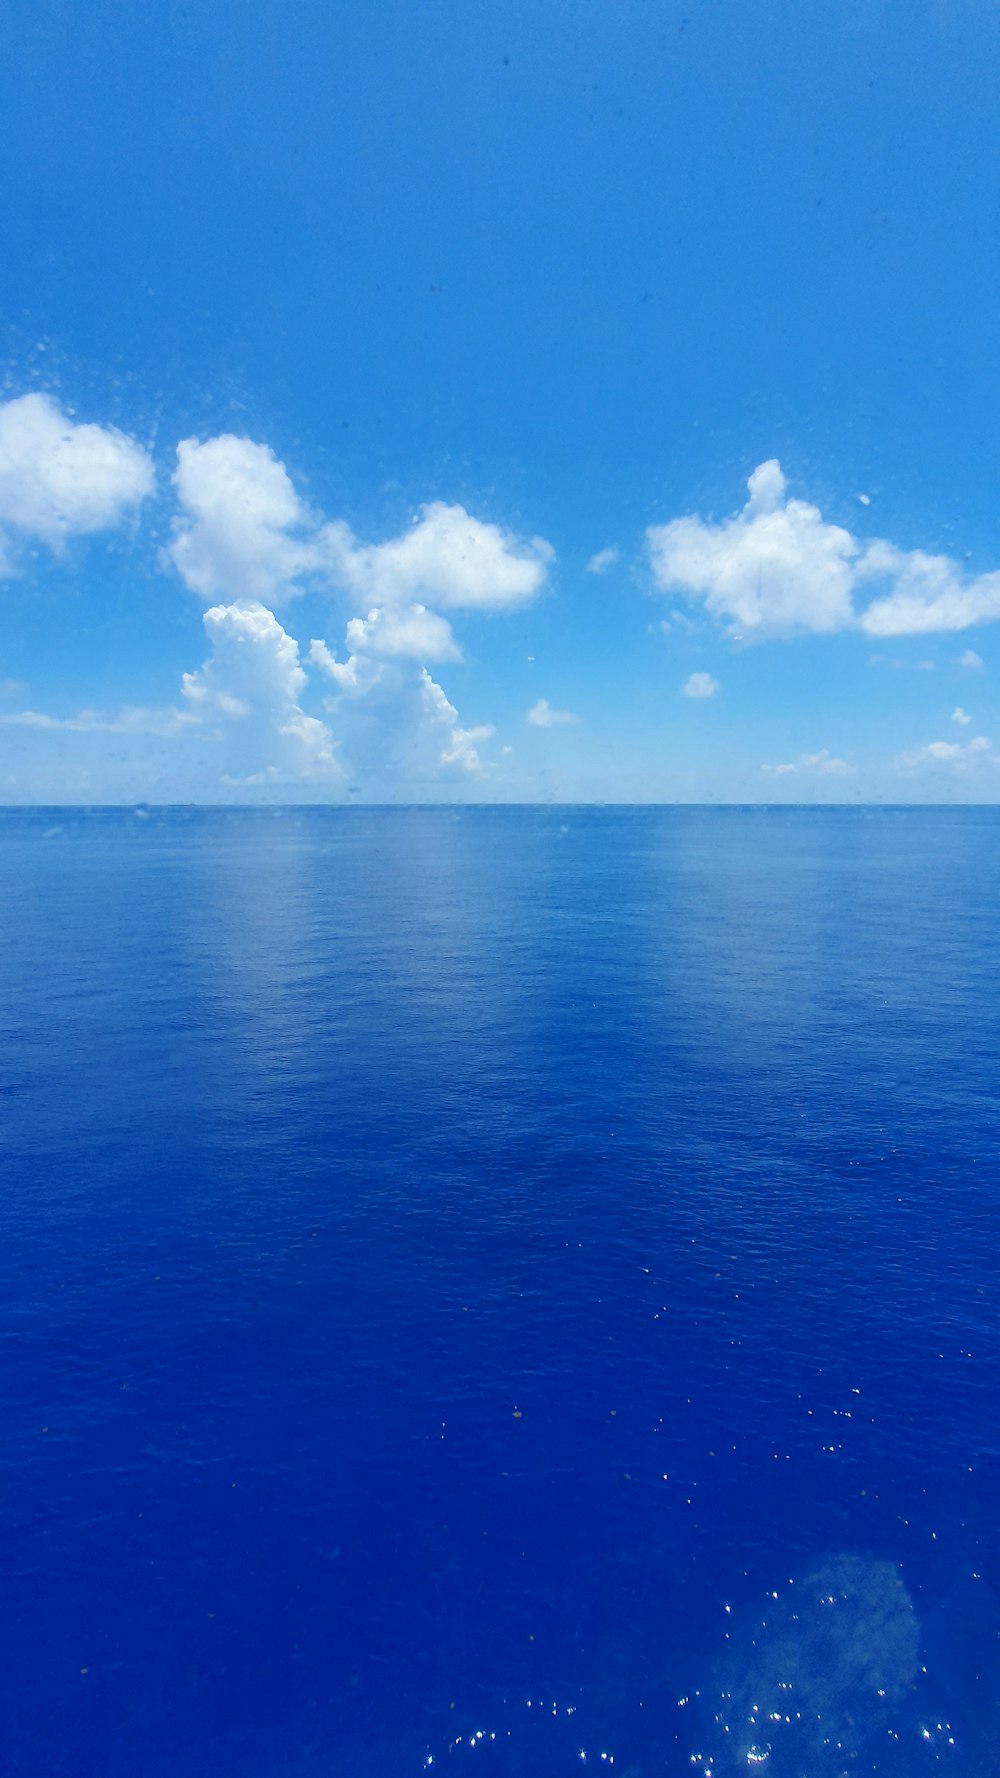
(499, 1291)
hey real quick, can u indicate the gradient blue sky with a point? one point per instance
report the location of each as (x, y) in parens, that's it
(448, 300)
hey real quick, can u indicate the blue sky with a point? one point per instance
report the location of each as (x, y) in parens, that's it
(481, 319)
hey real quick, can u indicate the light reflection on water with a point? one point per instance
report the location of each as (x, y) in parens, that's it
(823, 1681)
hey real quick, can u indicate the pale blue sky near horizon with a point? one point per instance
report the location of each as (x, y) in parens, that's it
(474, 323)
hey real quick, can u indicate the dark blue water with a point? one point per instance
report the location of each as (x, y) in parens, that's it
(499, 1292)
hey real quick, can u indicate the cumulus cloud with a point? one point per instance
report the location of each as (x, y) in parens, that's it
(243, 728)
(972, 661)
(459, 746)
(542, 715)
(411, 630)
(240, 727)
(243, 532)
(396, 723)
(928, 593)
(402, 729)
(700, 685)
(251, 685)
(447, 556)
(960, 716)
(824, 762)
(253, 660)
(242, 538)
(602, 561)
(355, 676)
(778, 567)
(60, 478)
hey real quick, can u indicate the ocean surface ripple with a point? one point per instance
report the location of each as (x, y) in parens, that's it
(500, 1291)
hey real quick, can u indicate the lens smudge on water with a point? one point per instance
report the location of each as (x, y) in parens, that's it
(808, 1683)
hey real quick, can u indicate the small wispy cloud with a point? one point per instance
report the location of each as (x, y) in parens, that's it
(542, 715)
(972, 661)
(947, 753)
(824, 762)
(960, 716)
(603, 560)
(700, 685)
(132, 720)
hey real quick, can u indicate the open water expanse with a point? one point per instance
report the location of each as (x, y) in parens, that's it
(499, 1292)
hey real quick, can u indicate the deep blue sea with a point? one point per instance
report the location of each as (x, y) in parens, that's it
(499, 1292)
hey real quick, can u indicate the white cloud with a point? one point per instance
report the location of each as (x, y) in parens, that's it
(948, 753)
(700, 685)
(253, 660)
(251, 684)
(356, 675)
(448, 556)
(778, 567)
(396, 723)
(412, 631)
(242, 726)
(928, 593)
(604, 559)
(971, 660)
(960, 716)
(542, 715)
(60, 479)
(823, 762)
(242, 538)
(460, 744)
(243, 532)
